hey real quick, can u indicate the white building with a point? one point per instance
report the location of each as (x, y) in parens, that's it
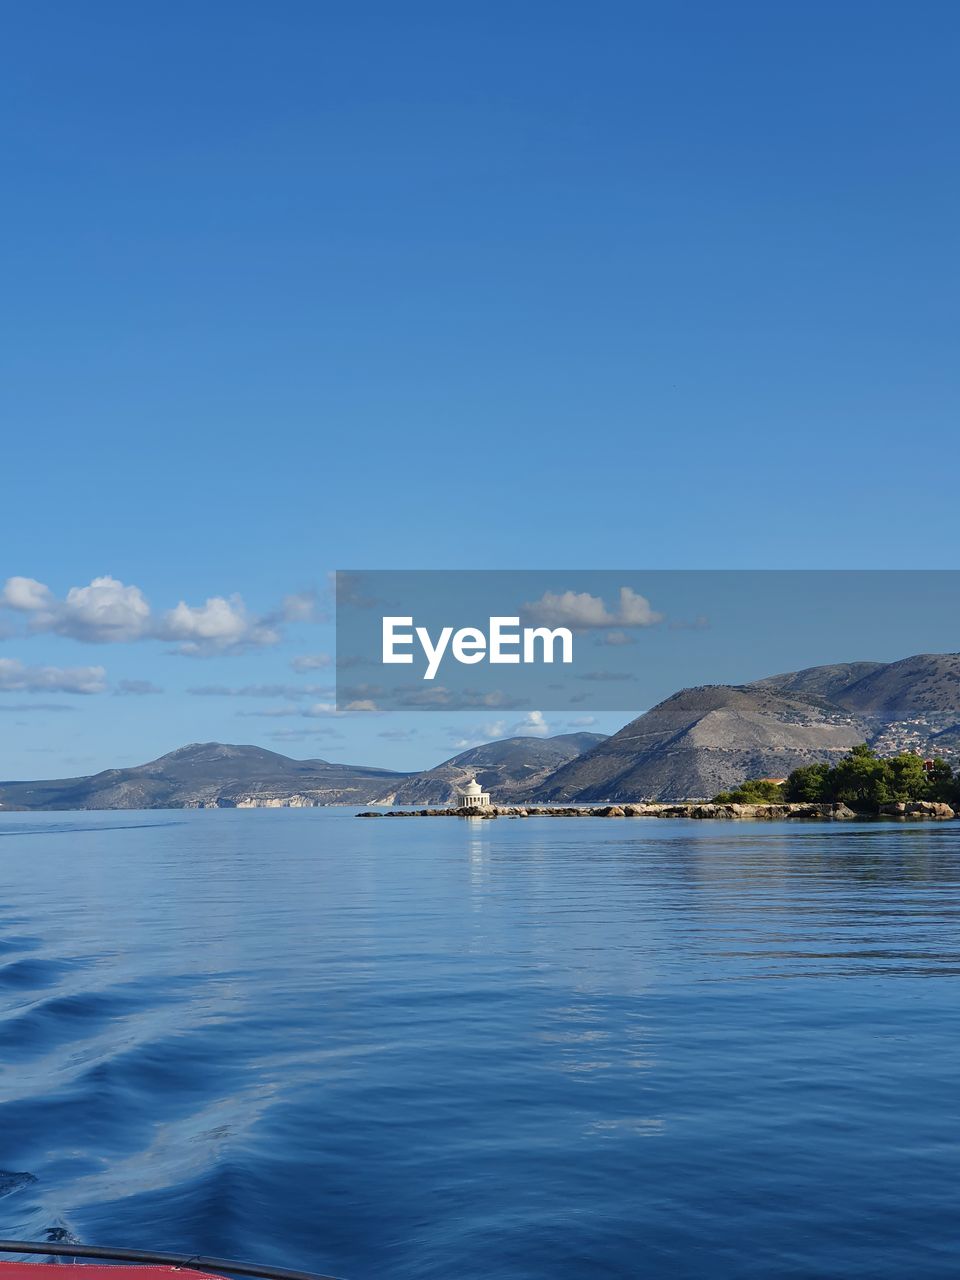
(472, 796)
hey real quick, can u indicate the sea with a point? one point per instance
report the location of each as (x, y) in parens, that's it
(528, 1049)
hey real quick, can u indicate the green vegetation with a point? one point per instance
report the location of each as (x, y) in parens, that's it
(862, 780)
(753, 791)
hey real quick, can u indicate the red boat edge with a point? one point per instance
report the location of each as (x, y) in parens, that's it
(136, 1264)
(104, 1271)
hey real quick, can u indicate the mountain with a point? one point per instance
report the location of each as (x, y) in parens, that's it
(820, 682)
(946, 742)
(698, 742)
(702, 740)
(924, 685)
(208, 773)
(215, 774)
(506, 768)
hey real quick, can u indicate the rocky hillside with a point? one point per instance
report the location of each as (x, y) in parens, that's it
(927, 684)
(506, 768)
(820, 682)
(702, 740)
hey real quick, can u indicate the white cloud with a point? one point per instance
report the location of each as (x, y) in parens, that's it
(214, 626)
(311, 662)
(532, 725)
(26, 595)
(17, 677)
(103, 612)
(330, 708)
(317, 709)
(582, 611)
(106, 610)
(109, 612)
(477, 734)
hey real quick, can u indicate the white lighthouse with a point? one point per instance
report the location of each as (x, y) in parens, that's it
(472, 796)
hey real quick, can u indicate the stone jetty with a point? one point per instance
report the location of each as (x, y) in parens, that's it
(693, 809)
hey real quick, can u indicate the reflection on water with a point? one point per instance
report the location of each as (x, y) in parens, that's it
(543, 1048)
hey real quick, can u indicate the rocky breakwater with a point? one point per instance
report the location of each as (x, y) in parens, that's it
(721, 812)
(917, 809)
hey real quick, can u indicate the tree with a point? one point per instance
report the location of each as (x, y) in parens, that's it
(864, 781)
(753, 791)
(860, 780)
(941, 784)
(906, 777)
(808, 784)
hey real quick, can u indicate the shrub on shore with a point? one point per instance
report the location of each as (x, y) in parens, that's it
(753, 791)
(862, 780)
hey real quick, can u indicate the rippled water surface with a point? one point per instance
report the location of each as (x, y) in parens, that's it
(523, 1049)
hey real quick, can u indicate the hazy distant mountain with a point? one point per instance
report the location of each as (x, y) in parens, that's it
(701, 740)
(207, 773)
(504, 768)
(220, 775)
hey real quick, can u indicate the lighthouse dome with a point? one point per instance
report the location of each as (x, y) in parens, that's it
(472, 788)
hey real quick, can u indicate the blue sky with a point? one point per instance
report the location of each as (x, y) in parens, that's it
(676, 282)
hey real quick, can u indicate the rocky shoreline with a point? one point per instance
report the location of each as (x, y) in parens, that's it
(918, 809)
